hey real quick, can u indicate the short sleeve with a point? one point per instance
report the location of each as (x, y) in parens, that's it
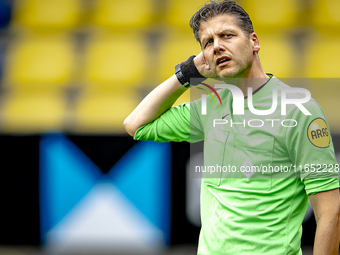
(311, 149)
(179, 123)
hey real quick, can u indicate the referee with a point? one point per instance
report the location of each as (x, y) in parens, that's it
(280, 161)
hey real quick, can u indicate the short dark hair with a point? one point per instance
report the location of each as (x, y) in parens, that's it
(214, 8)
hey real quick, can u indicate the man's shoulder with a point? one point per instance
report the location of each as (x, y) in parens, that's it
(295, 92)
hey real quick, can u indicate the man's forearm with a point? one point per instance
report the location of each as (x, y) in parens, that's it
(327, 235)
(153, 105)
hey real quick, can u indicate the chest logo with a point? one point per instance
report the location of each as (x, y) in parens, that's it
(248, 168)
(318, 133)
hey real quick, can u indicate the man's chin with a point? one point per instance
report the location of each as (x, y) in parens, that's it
(226, 75)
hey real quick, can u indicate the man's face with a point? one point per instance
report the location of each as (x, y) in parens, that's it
(227, 50)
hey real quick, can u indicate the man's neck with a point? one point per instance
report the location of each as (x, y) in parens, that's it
(254, 77)
(253, 83)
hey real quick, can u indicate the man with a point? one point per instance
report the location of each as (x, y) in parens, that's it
(247, 211)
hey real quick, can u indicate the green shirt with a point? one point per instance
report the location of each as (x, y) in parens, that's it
(253, 209)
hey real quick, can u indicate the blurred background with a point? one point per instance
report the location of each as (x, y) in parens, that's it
(71, 71)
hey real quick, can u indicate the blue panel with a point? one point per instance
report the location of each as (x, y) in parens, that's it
(66, 176)
(143, 176)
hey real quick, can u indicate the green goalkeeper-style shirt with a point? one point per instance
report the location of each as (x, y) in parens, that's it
(276, 161)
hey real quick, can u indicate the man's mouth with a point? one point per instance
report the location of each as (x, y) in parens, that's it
(222, 61)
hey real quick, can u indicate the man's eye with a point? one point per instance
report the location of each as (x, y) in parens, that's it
(210, 41)
(227, 35)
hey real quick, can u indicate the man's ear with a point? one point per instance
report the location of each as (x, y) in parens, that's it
(255, 41)
(206, 63)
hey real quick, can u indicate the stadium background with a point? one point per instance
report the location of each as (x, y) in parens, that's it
(72, 70)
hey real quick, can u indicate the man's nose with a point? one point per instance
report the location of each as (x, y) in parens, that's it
(217, 46)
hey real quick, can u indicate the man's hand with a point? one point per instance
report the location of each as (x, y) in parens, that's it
(203, 67)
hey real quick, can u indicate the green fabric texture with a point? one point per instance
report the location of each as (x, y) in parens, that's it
(258, 212)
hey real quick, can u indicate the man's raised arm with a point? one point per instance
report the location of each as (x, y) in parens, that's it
(163, 96)
(154, 104)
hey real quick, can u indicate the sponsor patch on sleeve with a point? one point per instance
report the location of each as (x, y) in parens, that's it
(318, 133)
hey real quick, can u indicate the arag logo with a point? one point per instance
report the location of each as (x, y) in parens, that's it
(318, 133)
